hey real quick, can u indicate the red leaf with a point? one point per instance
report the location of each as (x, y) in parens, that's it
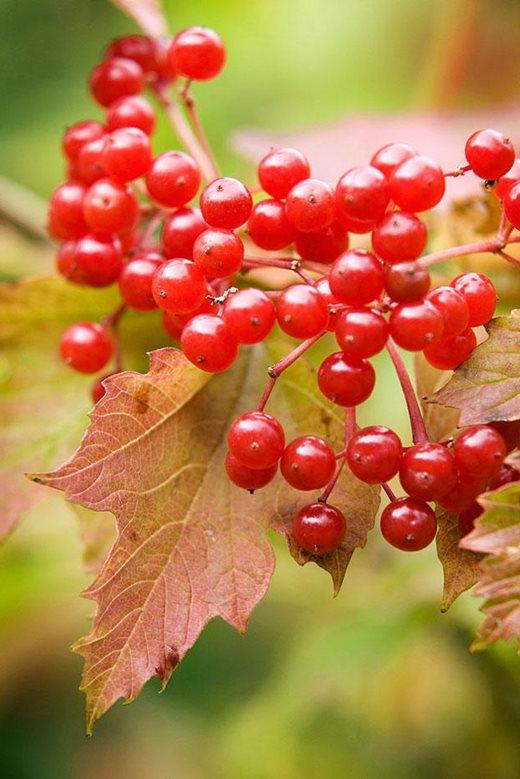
(148, 14)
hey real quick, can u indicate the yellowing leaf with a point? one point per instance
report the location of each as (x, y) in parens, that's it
(460, 566)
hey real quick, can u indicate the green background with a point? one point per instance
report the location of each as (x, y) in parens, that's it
(376, 681)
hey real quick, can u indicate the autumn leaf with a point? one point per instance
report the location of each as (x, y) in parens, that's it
(148, 15)
(460, 566)
(486, 388)
(97, 532)
(441, 422)
(191, 546)
(497, 535)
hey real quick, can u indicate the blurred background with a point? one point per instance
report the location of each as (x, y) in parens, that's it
(376, 680)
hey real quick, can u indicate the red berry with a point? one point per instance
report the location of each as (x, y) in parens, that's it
(99, 259)
(357, 226)
(507, 181)
(197, 53)
(256, 439)
(356, 278)
(323, 287)
(479, 452)
(89, 164)
(280, 170)
(462, 496)
(361, 332)
(226, 203)
(269, 227)
(76, 136)
(208, 343)
(489, 153)
(308, 463)
(250, 315)
(131, 111)
(512, 205)
(480, 295)
(65, 215)
(318, 529)
(139, 48)
(374, 454)
(453, 308)
(180, 232)
(110, 207)
(302, 311)
(127, 154)
(171, 327)
(448, 353)
(310, 206)
(135, 281)
(346, 381)
(428, 471)
(406, 281)
(363, 193)
(177, 322)
(414, 326)
(86, 347)
(417, 184)
(389, 157)
(399, 236)
(173, 179)
(97, 391)
(115, 78)
(506, 475)
(248, 478)
(179, 286)
(467, 518)
(324, 245)
(218, 253)
(408, 524)
(510, 432)
(66, 263)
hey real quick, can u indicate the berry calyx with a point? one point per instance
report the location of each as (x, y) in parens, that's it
(86, 346)
(374, 454)
(318, 529)
(208, 343)
(408, 524)
(308, 463)
(347, 381)
(256, 439)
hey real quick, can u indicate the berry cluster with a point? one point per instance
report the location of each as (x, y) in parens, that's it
(127, 216)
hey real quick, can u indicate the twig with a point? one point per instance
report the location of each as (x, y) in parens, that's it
(419, 433)
(197, 126)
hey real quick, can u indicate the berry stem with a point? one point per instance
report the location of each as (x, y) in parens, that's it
(459, 171)
(278, 368)
(186, 134)
(419, 433)
(350, 428)
(112, 321)
(495, 245)
(390, 494)
(288, 263)
(154, 222)
(509, 258)
(198, 128)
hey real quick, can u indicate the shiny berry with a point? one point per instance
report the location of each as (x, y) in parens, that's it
(76, 136)
(110, 206)
(65, 214)
(462, 496)
(318, 529)
(208, 343)
(356, 277)
(256, 439)
(180, 231)
(446, 354)
(418, 184)
(226, 203)
(66, 263)
(414, 326)
(512, 205)
(346, 381)
(506, 182)
(361, 332)
(408, 524)
(179, 286)
(406, 281)
(310, 206)
(506, 475)
(323, 287)
(280, 170)
(453, 307)
(374, 454)
(86, 346)
(197, 53)
(389, 157)
(479, 452)
(269, 227)
(363, 193)
(218, 253)
(308, 463)
(399, 236)
(115, 78)
(89, 166)
(173, 179)
(428, 471)
(99, 259)
(302, 311)
(467, 518)
(250, 315)
(489, 153)
(324, 245)
(480, 295)
(132, 111)
(248, 478)
(127, 154)
(135, 281)
(139, 48)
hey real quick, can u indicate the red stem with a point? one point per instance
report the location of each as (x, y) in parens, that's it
(494, 246)
(419, 433)
(278, 368)
(389, 492)
(197, 126)
(350, 427)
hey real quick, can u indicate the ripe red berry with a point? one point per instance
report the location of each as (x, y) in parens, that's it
(510, 432)
(414, 326)
(446, 354)
(280, 170)
(76, 136)
(98, 258)
(318, 529)
(139, 48)
(361, 332)
(467, 518)
(324, 245)
(208, 343)
(308, 463)
(408, 524)
(310, 206)
(132, 111)
(479, 452)
(135, 281)
(218, 253)
(177, 322)
(363, 193)
(462, 496)
(89, 165)
(356, 277)
(453, 307)
(512, 205)
(180, 232)
(406, 281)
(357, 226)
(389, 157)
(506, 182)
(66, 263)
(399, 236)
(428, 471)
(256, 439)
(250, 315)
(65, 214)
(226, 203)
(302, 311)
(480, 295)
(197, 53)
(346, 381)
(269, 227)
(110, 207)
(86, 346)
(506, 475)
(374, 454)
(417, 184)
(323, 287)
(248, 478)
(173, 179)
(127, 154)
(179, 286)
(489, 153)
(171, 327)
(115, 78)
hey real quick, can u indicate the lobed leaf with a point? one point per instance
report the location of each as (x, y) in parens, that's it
(460, 566)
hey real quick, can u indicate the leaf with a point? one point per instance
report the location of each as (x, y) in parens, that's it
(441, 422)
(486, 388)
(190, 545)
(460, 566)
(97, 532)
(497, 535)
(148, 15)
